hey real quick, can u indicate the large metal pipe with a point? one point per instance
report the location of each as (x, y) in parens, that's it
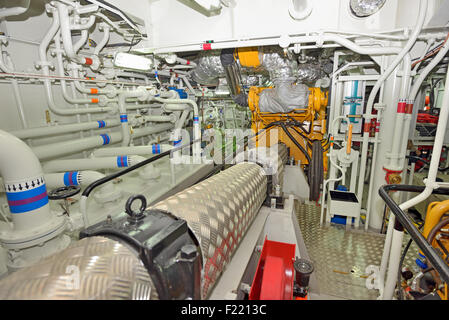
(219, 210)
(92, 268)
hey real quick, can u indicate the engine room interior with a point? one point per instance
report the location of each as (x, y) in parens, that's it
(224, 150)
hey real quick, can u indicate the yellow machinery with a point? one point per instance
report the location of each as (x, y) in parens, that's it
(312, 116)
(436, 231)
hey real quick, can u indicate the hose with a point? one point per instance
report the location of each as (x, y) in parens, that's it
(300, 147)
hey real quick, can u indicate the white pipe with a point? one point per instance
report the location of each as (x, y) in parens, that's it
(395, 162)
(66, 34)
(122, 161)
(80, 43)
(65, 128)
(368, 114)
(138, 150)
(72, 178)
(73, 146)
(15, 86)
(430, 184)
(21, 7)
(318, 39)
(140, 93)
(104, 41)
(196, 124)
(46, 72)
(24, 185)
(325, 185)
(65, 94)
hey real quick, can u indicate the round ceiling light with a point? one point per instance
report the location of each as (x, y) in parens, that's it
(365, 8)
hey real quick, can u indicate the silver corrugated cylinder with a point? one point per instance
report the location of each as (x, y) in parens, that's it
(219, 211)
(92, 268)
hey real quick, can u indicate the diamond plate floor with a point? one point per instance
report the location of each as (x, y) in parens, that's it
(340, 256)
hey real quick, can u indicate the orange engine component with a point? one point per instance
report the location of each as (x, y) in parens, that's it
(313, 117)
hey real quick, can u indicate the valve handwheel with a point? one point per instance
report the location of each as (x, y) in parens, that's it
(63, 192)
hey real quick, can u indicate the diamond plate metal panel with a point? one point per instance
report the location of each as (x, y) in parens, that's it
(219, 211)
(341, 256)
(107, 270)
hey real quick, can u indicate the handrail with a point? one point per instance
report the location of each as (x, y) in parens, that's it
(435, 260)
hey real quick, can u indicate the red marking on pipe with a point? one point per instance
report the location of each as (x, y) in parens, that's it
(409, 108)
(377, 126)
(187, 62)
(207, 46)
(29, 200)
(88, 61)
(93, 91)
(401, 107)
(367, 127)
(94, 100)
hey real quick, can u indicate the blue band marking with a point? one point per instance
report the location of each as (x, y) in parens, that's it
(123, 118)
(195, 119)
(122, 161)
(71, 178)
(156, 148)
(101, 124)
(155, 74)
(106, 139)
(176, 142)
(29, 200)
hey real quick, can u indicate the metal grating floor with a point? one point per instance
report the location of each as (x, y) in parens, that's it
(340, 256)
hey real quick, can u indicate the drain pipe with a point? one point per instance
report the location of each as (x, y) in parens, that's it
(26, 192)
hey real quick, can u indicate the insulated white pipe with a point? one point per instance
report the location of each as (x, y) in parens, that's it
(368, 114)
(118, 162)
(66, 33)
(196, 124)
(322, 220)
(64, 128)
(61, 74)
(72, 178)
(104, 41)
(24, 184)
(80, 43)
(73, 146)
(140, 93)
(46, 72)
(414, 92)
(395, 163)
(138, 150)
(430, 183)
(15, 86)
(22, 6)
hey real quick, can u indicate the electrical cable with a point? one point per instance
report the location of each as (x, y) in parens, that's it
(425, 162)
(300, 147)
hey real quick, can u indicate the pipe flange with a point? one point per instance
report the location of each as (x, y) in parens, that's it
(13, 239)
